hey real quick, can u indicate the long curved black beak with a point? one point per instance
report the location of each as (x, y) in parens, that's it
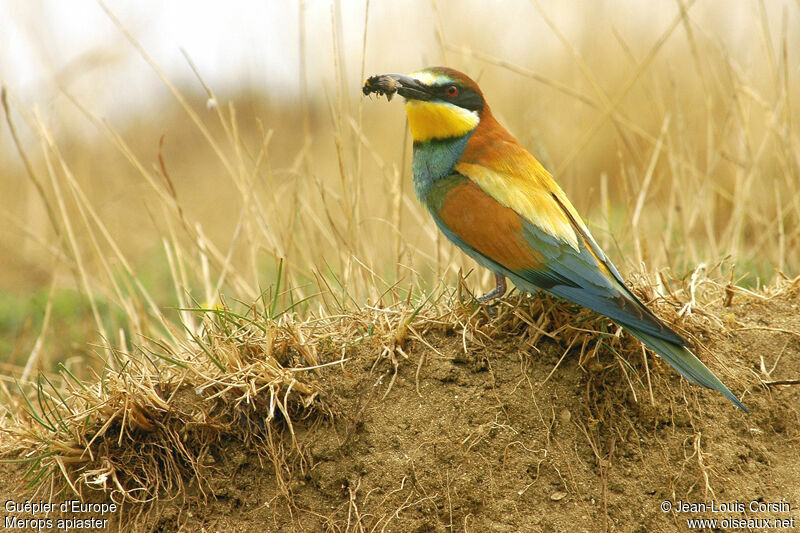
(389, 84)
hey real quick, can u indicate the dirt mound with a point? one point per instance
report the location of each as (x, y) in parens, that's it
(532, 415)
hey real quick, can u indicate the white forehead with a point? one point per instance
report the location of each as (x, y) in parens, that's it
(430, 78)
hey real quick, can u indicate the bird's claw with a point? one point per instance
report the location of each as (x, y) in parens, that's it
(498, 291)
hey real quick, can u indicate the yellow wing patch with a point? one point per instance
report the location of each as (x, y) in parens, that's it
(439, 120)
(527, 188)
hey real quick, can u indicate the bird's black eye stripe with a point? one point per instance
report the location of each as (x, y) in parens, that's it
(464, 97)
(446, 91)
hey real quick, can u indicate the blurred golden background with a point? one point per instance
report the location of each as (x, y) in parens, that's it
(155, 157)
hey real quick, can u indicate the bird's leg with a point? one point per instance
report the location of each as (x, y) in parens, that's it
(498, 291)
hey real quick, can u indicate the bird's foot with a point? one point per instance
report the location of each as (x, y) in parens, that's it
(498, 291)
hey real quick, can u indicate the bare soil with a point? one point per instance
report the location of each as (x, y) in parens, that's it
(506, 438)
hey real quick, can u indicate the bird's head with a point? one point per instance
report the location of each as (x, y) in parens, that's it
(441, 103)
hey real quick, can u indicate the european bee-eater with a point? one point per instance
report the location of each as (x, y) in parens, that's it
(497, 203)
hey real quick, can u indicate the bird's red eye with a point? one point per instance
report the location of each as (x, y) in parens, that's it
(452, 91)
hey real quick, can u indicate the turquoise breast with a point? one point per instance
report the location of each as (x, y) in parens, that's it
(434, 160)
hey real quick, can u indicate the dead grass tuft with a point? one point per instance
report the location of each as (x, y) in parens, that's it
(141, 433)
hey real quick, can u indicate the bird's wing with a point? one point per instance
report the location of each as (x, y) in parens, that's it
(536, 238)
(500, 238)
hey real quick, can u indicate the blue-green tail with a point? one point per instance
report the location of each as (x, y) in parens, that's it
(685, 362)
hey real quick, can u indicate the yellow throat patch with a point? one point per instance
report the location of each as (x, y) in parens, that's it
(439, 120)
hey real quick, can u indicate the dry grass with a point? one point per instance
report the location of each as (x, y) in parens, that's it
(140, 432)
(211, 310)
(150, 430)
